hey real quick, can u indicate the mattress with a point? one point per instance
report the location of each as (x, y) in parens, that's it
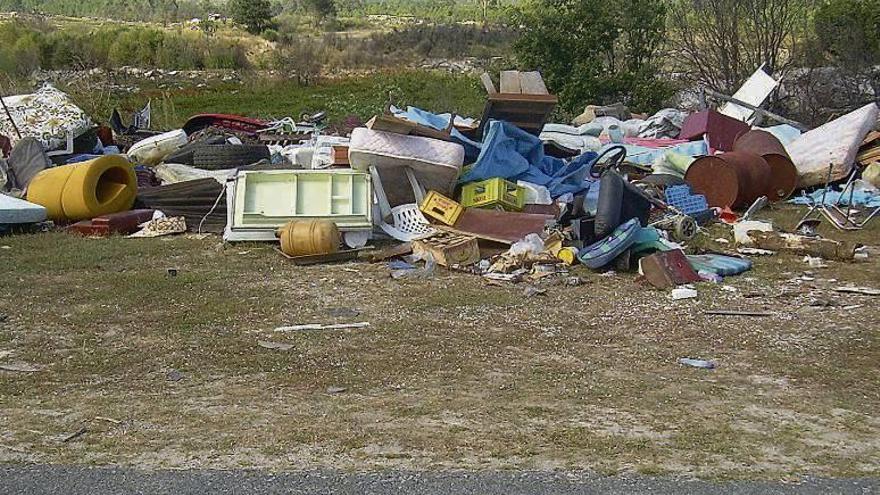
(436, 163)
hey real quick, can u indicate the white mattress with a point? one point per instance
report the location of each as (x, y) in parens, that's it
(436, 163)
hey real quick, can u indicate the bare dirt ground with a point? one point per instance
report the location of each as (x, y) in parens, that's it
(158, 371)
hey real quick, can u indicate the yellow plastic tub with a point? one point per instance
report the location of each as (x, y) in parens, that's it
(85, 190)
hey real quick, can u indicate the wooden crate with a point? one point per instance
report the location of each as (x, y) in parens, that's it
(449, 249)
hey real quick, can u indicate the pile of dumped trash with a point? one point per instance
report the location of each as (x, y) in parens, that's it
(509, 197)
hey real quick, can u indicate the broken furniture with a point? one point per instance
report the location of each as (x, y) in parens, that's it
(523, 100)
(449, 249)
(263, 201)
(841, 219)
(718, 129)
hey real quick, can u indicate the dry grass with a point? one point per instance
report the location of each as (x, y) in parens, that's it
(453, 374)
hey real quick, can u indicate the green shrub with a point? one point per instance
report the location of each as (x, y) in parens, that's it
(596, 51)
(24, 49)
(848, 32)
(270, 35)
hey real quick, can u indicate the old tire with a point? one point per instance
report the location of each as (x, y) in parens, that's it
(186, 153)
(225, 156)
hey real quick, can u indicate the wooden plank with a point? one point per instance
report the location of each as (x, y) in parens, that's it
(338, 257)
(510, 82)
(486, 79)
(869, 155)
(533, 84)
(391, 252)
(390, 123)
(524, 98)
(499, 226)
(527, 112)
(449, 249)
(870, 138)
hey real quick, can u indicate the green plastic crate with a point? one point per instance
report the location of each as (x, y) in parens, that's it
(491, 193)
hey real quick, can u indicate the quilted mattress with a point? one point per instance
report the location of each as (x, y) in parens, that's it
(436, 163)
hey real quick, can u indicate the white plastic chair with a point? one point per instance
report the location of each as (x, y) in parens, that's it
(409, 224)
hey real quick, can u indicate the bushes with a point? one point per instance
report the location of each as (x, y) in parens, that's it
(24, 49)
(848, 32)
(596, 51)
(445, 40)
(19, 51)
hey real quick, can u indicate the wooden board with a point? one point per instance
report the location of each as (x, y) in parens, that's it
(533, 84)
(528, 112)
(498, 226)
(510, 82)
(449, 249)
(390, 123)
(486, 79)
(870, 155)
(391, 252)
(871, 138)
(315, 259)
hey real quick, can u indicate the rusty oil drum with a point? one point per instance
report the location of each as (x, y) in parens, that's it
(734, 179)
(783, 173)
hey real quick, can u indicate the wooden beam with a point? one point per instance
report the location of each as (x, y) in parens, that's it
(486, 79)
(759, 111)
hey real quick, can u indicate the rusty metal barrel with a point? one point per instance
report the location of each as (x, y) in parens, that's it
(783, 173)
(734, 179)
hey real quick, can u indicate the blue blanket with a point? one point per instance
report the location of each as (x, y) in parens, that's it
(514, 154)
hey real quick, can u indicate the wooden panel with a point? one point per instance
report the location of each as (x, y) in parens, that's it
(533, 84)
(486, 79)
(449, 249)
(510, 82)
(390, 123)
(498, 226)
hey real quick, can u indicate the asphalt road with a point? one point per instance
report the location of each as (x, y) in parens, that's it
(62, 480)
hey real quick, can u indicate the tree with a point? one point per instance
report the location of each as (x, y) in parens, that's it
(485, 7)
(254, 15)
(596, 51)
(719, 43)
(321, 9)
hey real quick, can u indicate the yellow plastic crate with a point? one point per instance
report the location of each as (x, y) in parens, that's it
(441, 208)
(493, 192)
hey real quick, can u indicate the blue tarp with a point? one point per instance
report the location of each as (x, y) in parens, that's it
(514, 154)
